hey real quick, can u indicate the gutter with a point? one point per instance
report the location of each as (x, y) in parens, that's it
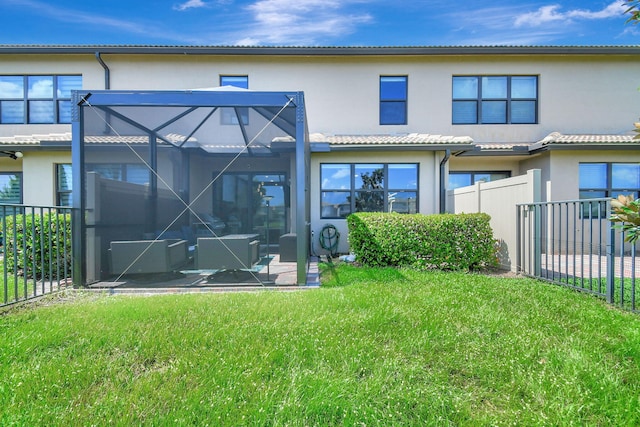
(443, 189)
(107, 72)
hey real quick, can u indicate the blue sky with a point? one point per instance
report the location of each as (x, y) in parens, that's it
(316, 22)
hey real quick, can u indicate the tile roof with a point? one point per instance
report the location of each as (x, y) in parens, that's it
(399, 139)
(493, 146)
(387, 140)
(559, 138)
(39, 139)
(35, 139)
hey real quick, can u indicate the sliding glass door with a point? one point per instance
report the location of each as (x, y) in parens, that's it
(245, 201)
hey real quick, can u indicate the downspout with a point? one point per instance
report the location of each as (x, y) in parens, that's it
(443, 189)
(107, 72)
(107, 86)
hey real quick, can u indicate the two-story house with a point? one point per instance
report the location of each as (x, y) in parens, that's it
(389, 128)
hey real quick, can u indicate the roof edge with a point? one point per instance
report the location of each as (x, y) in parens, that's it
(321, 50)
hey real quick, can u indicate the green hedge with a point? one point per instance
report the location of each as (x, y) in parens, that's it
(444, 241)
(45, 240)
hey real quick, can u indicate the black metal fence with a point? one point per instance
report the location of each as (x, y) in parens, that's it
(35, 251)
(573, 243)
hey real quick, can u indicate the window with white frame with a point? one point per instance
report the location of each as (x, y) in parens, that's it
(495, 100)
(37, 99)
(368, 187)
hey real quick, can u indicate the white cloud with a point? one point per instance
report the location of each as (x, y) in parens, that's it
(515, 24)
(301, 21)
(42, 88)
(197, 4)
(10, 89)
(341, 173)
(554, 13)
(190, 4)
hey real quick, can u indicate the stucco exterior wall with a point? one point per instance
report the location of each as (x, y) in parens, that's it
(9, 165)
(543, 163)
(86, 65)
(576, 94)
(39, 176)
(564, 170)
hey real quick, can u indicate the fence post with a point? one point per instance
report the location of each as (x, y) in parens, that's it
(478, 189)
(537, 240)
(611, 252)
(518, 241)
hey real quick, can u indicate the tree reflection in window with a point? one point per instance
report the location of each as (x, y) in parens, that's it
(367, 187)
(370, 196)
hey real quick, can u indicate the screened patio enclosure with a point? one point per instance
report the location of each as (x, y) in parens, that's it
(184, 181)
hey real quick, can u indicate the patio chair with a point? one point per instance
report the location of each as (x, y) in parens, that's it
(148, 256)
(230, 252)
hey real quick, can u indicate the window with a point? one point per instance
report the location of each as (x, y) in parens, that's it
(63, 184)
(37, 99)
(462, 179)
(607, 180)
(10, 191)
(393, 100)
(130, 172)
(236, 81)
(230, 115)
(495, 100)
(367, 187)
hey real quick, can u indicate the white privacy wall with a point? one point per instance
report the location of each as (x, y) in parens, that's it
(498, 199)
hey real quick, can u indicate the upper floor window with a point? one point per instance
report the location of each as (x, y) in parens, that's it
(495, 100)
(462, 179)
(375, 187)
(236, 81)
(37, 99)
(393, 100)
(229, 116)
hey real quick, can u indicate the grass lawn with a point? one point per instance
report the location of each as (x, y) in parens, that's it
(372, 347)
(13, 285)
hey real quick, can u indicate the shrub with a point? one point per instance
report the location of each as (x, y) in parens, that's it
(444, 241)
(625, 211)
(44, 241)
